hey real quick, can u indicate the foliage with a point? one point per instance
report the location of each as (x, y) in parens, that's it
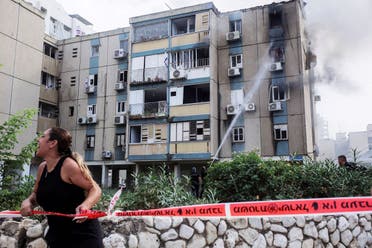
(11, 163)
(156, 188)
(247, 177)
(12, 199)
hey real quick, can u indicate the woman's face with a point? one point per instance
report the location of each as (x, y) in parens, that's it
(43, 144)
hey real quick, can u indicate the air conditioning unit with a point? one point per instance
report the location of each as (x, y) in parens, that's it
(119, 119)
(82, 120)
(232, 109)
(277, 66)
(230, 36)
(275, 106)
(92, 120)
(106, 154)
(232, 72)
(119, 53)
(178, 74)
(119, 86)
(250, 107)
(90, 89)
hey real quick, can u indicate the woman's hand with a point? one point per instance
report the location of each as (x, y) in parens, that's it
(26, 207)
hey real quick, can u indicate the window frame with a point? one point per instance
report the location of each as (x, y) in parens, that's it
(120, 107)
(283, 132)
(94, 50)
(238, 134)
(90, 141)
(236, 56)
(235, 25)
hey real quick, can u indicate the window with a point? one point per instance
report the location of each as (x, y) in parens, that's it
(280, 132)
(151, 31)
(277, 54)
(183, 25)
(238, 134)
(47, 80)
(120, 139)
(236, 26)
(190, 58)
(95, 50)
(151, 68)
(190, 131)
(48, 110)
(71, 111)
(90, 141)
(195, 93)
(50, 50)
(236, 61)
(93, 79)
(279, 92)
(135, 134)
(91, 110)
(124, 45)
(122, 76)
(120, 108)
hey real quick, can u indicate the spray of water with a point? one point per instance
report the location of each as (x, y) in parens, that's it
(263, 68)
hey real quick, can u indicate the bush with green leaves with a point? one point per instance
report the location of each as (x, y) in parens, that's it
(248, 177)
(156, 188)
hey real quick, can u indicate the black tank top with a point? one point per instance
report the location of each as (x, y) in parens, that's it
(53, 194)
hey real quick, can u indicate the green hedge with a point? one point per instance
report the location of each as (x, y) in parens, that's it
(247, 177)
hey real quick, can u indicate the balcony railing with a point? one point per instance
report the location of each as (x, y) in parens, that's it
(149, 109)
(192, 64)
(149, 75)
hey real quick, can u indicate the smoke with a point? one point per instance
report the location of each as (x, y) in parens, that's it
(340, 40)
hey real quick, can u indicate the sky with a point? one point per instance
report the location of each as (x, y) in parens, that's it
(339, 38)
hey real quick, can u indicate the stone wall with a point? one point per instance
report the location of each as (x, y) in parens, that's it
(150, 232)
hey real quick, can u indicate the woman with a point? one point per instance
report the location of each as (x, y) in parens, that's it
(65, 185)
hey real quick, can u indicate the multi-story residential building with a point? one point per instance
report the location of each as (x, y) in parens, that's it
(58, 23)
(21, 49)
(167, 89)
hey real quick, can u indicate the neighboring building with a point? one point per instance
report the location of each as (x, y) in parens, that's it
(21, 49)
(167, 88)
(369, 136)
(358, 141)
(58, 23)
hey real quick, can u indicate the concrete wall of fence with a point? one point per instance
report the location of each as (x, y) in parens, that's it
(352, 230)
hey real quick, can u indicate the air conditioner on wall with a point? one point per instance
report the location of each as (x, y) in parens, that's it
(92, 120)
(277, 66)
(232, 109)
(275, 106)
(90, 89)
(119, 86)
(178, 74)
(106, 154)
(230, 36)
(119, 119)
(231, 72)
(82, 120)
(119, 53)
(250, 107)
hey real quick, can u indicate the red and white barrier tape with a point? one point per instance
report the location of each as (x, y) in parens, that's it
(237, 209)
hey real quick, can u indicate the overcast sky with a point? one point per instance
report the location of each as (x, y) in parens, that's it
(340, 39)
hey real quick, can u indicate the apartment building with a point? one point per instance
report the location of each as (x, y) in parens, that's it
(21, 49)
(167, 89)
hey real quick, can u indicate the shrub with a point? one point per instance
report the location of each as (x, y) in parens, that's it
(247, 177)
(12, 199)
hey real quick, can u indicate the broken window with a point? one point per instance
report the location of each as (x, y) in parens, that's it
(238, 134)
(151, 31)
(71, 111)
(279, 91)
(95, 50)
(135, 134)
(189, 131)
(123, 76)
(280, 132)
(47, 80)
(236, 26)
(275, 17)
(196, 93)
(50, 50)
(192, 58)
(183, 25)
(277, 54)
(48, 110)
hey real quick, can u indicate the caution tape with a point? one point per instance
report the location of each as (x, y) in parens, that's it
(331, 206)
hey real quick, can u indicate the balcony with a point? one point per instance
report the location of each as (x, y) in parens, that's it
(148, 110)
(149, 75)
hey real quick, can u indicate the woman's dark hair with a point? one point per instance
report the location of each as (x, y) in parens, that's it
(64, 140)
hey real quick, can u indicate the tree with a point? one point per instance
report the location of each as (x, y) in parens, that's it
(10, 163)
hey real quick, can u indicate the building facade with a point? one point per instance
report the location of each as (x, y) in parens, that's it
(182, 87)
